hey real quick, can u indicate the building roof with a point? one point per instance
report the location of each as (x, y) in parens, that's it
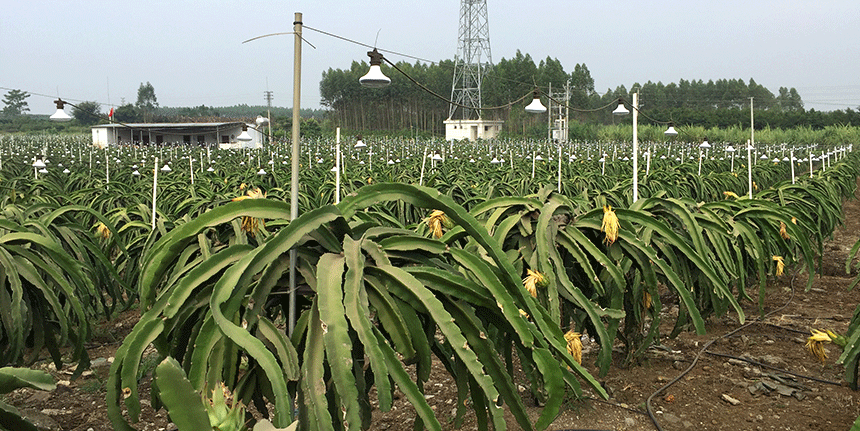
(173, 127)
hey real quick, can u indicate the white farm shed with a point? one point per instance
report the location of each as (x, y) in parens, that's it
(204, 134)
(472, 129)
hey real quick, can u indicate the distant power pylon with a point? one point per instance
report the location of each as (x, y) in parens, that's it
(472, 61)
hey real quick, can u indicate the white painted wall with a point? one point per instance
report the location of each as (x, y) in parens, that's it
(104, 136)
(472, 129)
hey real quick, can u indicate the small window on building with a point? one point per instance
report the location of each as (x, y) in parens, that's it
(486, 128)
(186, 139)
(159, 139)
(225, 139)
(201, 139)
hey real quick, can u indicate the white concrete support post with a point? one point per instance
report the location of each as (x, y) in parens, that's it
(294, 161)
(337, 167)
(154, 189)
(750, 147)
(791, 156)
(635, 147)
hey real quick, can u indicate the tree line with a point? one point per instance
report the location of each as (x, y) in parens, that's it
(408, 109)
(403, 105)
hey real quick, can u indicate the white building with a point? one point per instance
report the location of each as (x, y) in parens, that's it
(222, 134)
(472, 129)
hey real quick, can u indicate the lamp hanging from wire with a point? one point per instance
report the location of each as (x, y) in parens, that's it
(60, 115)
(536, 107)
(244, 136)
(671, 130)
(374, 77)
(621, 109)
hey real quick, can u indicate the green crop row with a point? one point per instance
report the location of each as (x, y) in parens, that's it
(396, 273)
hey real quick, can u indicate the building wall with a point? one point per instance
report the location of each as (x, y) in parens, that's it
(472, 129)
(100, 137)
(104, 136)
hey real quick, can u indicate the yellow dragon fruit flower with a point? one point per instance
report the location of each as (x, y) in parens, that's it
(609, 225)
(782, 232)
(437, 221)
(102, 231)
(780, 265)
(251, 225)
(815, 344)
(730, 195)
(532, 281)
(574, 345)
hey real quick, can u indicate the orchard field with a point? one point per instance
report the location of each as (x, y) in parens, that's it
(503, 285)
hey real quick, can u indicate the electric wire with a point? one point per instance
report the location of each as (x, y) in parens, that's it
(435, 94)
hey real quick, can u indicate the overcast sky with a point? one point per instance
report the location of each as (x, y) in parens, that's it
(192, 51)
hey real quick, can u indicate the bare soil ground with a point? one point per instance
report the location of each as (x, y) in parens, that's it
(760, 378)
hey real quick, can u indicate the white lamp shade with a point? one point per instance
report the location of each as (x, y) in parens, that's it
(262, 120)
(166, 168)
(60, 115)
(136, 173)
(621, 109)
(437, 156)
(43, 171)
(536, 107)
(210, 169)
(705, 145)
(66, 171)
(360, 144)
(261, 172)
(374, 78)
(39, 164)
(730, 149)
(244, 136)
(671, 131)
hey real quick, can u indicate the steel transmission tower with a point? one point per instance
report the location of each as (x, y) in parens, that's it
(472, 61)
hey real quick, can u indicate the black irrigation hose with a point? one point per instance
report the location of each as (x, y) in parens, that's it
(758, 364)
(648, 408)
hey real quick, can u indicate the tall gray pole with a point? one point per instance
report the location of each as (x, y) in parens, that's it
(294, 178)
